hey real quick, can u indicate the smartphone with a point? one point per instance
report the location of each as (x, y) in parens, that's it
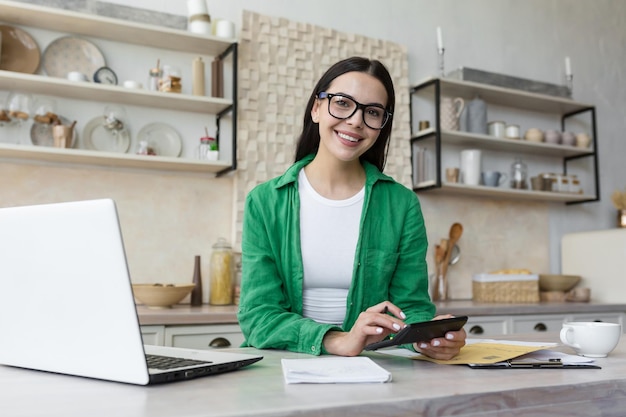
(421, 332)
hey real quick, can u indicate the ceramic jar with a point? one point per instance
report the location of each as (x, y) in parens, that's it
(512, 132)
(583, 140)
(534, 135)
(553, 136)
(568, 139)
(497, 129)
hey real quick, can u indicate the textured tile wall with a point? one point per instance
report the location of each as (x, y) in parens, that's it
(280, 62)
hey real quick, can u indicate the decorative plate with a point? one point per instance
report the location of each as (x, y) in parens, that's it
(18, 51)
(68, 54)
(97, 137)
(162, 138)
(41, 133)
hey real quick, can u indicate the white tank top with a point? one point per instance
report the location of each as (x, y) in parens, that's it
(329, 231)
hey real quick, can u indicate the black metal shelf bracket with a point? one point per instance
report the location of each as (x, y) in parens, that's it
(232, 109)
(594, 155)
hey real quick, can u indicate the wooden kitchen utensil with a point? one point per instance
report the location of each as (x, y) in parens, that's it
(456, 230)
(440, 253)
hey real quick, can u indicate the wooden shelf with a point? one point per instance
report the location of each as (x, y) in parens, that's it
(508, 193)
(110, 159)
(505, 96)
(515, 99)
(38, 84)
(112, 29)
(125, 32)
(498, 144)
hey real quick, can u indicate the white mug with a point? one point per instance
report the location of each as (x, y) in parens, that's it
(591, 339)
(470, 166)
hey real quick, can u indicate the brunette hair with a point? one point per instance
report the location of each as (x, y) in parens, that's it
(309, 140)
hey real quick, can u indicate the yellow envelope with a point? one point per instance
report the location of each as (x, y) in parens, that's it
(486, 353)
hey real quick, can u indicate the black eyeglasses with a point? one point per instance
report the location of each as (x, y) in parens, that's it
(375, 116)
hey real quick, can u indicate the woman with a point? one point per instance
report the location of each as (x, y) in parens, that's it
(334, 250)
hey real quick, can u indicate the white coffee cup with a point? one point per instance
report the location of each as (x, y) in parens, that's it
(591, 339)
(470, 166)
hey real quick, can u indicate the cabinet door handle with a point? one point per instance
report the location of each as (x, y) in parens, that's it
(476, 330)
(540, 327)
(219, 342)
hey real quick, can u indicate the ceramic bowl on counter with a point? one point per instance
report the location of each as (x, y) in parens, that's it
(548, 282)
(161, 295)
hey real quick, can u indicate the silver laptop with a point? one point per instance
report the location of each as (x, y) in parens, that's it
(66, 300)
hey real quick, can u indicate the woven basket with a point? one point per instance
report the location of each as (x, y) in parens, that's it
(522, 289)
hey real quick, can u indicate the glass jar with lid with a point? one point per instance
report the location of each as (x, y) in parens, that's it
(222, 273)
(519, 173)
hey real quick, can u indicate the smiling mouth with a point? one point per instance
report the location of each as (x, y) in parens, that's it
(348, 138)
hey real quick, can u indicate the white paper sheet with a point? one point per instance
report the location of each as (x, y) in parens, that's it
(333, 370)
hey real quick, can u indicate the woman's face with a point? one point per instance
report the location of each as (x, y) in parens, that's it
(348, 139)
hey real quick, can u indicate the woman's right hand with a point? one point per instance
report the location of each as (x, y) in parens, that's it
(372, 325)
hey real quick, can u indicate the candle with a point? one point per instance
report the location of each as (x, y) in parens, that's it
(568, 66)
(439, 39)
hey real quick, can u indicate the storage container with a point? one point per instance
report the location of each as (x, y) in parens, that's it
(505, 288)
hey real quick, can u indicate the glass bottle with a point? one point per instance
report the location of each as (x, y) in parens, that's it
(204, 148)
(575, 185)
(196, 293)
(222, 270)
(154, 77)
(142, 148)
(519, 172)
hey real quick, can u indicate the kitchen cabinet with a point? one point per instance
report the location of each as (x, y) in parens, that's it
(530, 323)
(133, 33)
(444, 142)
(153, 335)
(487, 326)
(194, 336)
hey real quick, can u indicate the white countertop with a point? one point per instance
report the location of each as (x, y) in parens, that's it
(418, 389)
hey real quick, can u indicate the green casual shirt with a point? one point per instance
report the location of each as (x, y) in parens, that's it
(389, 263)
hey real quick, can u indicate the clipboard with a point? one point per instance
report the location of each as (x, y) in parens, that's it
(525, 364)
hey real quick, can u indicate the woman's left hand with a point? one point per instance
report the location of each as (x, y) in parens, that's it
(443, 348)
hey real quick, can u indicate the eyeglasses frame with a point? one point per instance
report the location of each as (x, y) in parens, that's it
(362, 107)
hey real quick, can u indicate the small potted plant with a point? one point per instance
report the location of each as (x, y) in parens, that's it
(209, 148)
(213, 154)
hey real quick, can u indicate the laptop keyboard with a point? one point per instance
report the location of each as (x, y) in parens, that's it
(168, 362)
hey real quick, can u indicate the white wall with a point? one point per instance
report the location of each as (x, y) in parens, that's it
(527, 38)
